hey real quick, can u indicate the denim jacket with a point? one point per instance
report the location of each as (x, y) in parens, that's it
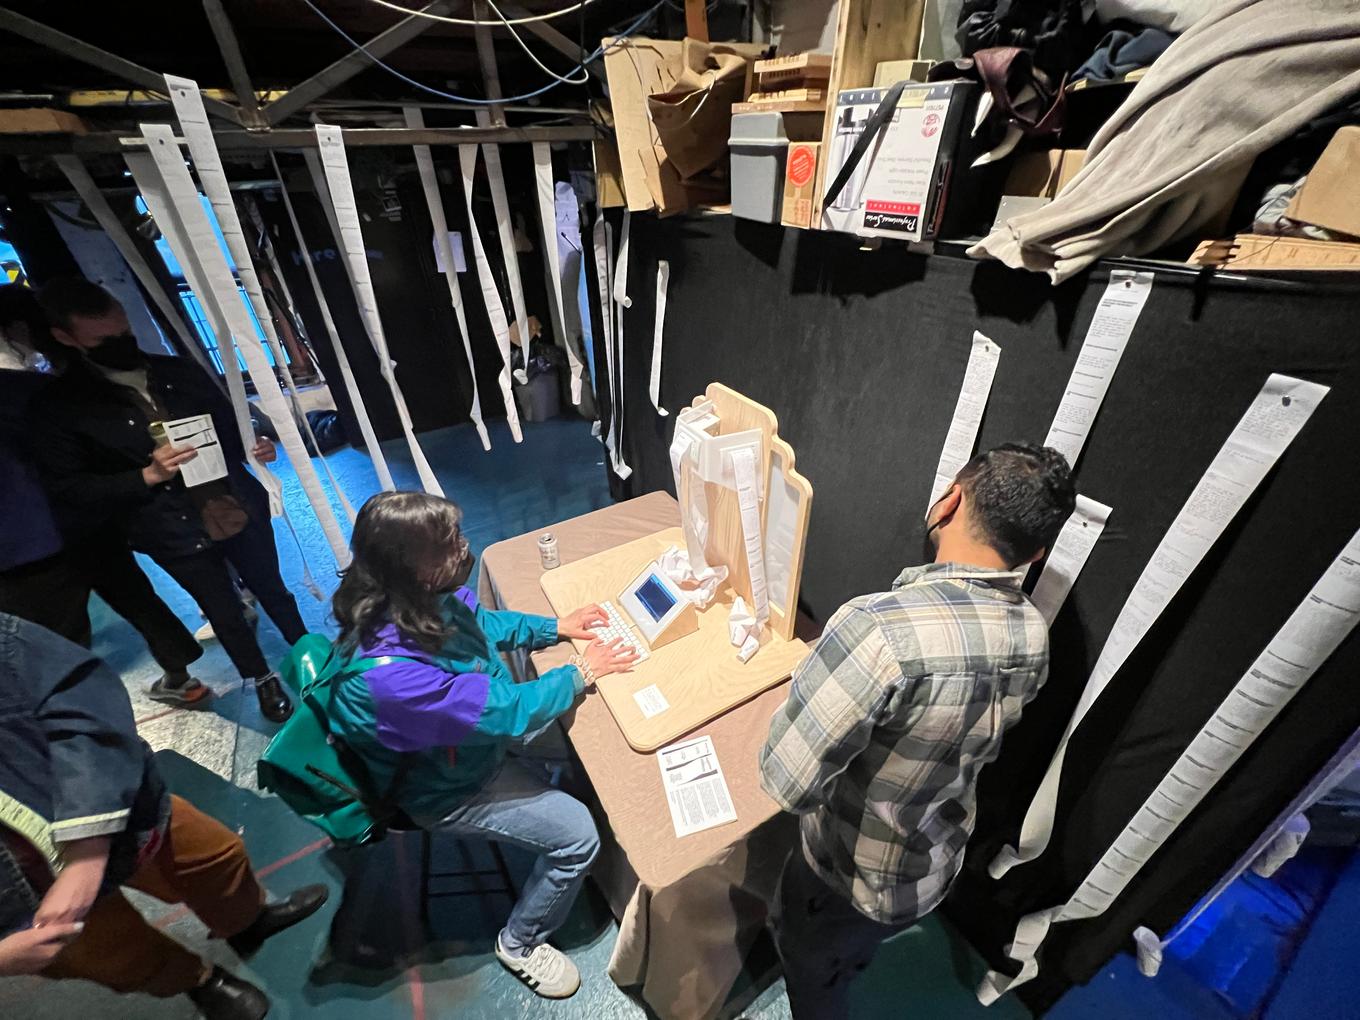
(72, 767)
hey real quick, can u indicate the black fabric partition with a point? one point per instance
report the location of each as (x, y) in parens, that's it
(861, 355)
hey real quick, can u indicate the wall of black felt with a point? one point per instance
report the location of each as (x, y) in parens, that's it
(861, 355)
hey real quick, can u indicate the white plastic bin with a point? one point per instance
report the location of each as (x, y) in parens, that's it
(759, 147)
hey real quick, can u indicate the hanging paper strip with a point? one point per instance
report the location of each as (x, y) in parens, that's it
(198, 135)
(172, 198)
(300, 330)
(547, 217)
(495, 311)
(603, 240)
(663, 279)
(505, 229)
(1280, 410)
(430, 183)
(336, 165)
(356, 399)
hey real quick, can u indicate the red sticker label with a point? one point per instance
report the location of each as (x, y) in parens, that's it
(900, 208)
(801, 164)
(930, 125)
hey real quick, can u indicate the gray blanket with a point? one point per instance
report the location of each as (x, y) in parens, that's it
(1172, 158)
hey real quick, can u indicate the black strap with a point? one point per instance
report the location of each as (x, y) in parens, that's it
(876, 122)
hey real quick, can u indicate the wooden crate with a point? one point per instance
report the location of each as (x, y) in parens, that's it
(783, 101)
(868, 32)
(780, 72)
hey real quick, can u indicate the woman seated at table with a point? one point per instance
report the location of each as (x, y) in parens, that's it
(447, 711)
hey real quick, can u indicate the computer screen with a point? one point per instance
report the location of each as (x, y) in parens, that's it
(655, 598)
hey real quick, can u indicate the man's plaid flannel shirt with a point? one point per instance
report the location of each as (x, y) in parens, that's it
(889, 721)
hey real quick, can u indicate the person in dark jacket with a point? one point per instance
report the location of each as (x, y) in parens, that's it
(47, 577)
(92, 436)
(85, 813)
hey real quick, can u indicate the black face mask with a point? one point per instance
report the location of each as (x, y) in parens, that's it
(117, 352)
(464, 572)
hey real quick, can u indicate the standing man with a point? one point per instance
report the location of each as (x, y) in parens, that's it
(87, 814)
(47, 576)
(892, 716)
(94, 446)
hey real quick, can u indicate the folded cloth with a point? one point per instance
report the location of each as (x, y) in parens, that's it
(1169, 15)
(1121, 52)
(1174, 154)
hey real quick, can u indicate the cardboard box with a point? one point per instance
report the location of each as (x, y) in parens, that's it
(1044, 174)
(800, 182)
(40, 122)
(900, 187)
(1330, 197)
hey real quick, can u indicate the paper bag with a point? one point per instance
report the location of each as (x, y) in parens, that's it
(693, 118)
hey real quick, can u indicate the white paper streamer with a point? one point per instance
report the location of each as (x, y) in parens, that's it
(495, 310)
(663, 278)
(547, 217)
(1109, 332)
(336, 165)
(1270, 424)
(622, 302)
(169, 192)
(603, 239)
(356, 398)
(193, 119)
(258, 223)
(430, 183)
(972, 402)
(1068, 555)
(505, 229)
(98, 205)
(1313, 631)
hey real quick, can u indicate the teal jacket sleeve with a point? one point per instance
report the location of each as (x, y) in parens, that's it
(507, 630)
(513, 710)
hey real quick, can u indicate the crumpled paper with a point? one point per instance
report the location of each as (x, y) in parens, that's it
(699, 586)
(744, 630)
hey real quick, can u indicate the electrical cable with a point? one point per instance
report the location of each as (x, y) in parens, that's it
(585, 76)
(474, 21)
(595, 55)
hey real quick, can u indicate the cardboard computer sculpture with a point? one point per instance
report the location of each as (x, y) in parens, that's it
(743, 507)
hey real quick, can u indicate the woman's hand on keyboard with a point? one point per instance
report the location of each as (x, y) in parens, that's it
(604, 659)
(582, 623)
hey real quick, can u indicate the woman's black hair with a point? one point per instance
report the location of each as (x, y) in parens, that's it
(405, 548)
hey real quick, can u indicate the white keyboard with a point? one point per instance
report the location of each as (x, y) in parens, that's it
(617, 629)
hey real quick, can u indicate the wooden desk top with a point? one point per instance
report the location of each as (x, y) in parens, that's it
(628, 783)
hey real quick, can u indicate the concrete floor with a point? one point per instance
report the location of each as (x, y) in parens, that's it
(377, 961)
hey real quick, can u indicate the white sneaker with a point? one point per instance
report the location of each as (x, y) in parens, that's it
(546, 971)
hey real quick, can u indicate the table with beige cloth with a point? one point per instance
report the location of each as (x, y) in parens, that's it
(689, 909)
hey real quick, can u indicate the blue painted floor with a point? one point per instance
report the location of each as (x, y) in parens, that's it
(376, 960)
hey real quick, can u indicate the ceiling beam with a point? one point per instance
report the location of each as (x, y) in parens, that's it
(352, 63)
(225, 35)
(553, 38)
(486, 56)
(298, 138)
(70, 46)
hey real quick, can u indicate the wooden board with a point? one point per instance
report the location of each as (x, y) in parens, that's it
(868, 32)
(726, 541)
(780, 106)
(699, 675)
(1261, 251)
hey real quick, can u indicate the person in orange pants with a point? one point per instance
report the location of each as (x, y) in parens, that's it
(84, 814)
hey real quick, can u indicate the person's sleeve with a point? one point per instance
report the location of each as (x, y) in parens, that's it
(507, 630)
(97, 760)
(65, 465)
(420, 706)
(837, 693)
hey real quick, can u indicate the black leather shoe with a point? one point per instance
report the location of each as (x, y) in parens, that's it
(275, 917)
(274, 702)
(224, 996)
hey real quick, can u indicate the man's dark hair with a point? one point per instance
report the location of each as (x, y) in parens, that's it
(1020, 496)
(70, 297)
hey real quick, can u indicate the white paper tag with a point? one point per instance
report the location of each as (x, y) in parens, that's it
(200, 433)
(695, 788)
(651, 702)
(1069, 554)
(455, 246)
(963, 428)
(1109, 332)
